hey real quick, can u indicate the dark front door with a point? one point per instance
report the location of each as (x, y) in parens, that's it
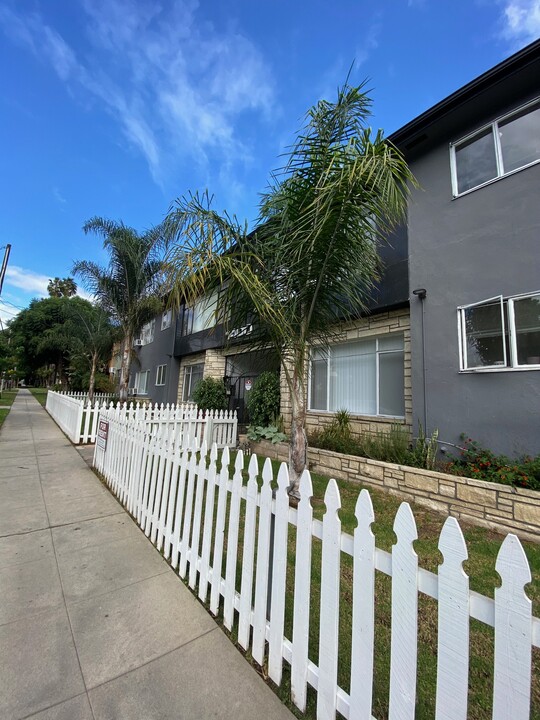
(241, 372)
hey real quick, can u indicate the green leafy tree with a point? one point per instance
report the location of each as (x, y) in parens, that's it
(127, 289)
(313, 259)
(41, 341)
(58, 287)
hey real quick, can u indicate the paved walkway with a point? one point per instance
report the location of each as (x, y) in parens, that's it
(93, 622)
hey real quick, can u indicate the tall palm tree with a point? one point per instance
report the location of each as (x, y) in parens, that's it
(128, 287)
(313, 259)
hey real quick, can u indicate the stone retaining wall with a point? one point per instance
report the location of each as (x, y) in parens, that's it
(498, 507)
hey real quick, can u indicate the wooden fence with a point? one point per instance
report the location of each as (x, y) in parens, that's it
(192, 511)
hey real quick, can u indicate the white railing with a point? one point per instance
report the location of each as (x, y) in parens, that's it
(188, 509)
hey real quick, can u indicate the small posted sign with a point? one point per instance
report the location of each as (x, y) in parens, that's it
(248, 384)
(102, 434)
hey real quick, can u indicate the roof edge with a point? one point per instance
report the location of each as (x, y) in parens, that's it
(496, 74)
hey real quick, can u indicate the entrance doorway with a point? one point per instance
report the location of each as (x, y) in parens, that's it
(241, 371)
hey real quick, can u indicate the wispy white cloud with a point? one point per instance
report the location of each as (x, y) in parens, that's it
(370, 42)
(58, 196)
(175, 84)
(27, 280)
(521, 21)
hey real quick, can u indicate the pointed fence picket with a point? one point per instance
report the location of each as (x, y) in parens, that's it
(193, 510)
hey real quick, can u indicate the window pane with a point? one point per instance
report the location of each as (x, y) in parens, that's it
(166, 320)
(475, 161)
(391, 342)
(352, 378)
(391, 384)
(527, 318)
(319, 378)
(520, 139)
(483, 327)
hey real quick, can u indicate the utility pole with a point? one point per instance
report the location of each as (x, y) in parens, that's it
(4, 266)
(2, 275)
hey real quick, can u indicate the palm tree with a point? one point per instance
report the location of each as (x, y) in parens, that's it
(128, 288)
(313, 259)
(59, 287)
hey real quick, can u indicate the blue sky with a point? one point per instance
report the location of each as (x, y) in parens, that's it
(117, 107)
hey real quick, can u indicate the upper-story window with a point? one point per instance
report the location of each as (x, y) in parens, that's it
(508, 144)
(147, 332)
(166, 320)
(200, 316)
(500, 333)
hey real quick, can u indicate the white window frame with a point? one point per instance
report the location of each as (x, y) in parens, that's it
(328, 353)
(494, 126)
(161, 374)
(510, 363)
(148, 332)
(463, 334)
(138, 377)
(189, 372)
(166, 320)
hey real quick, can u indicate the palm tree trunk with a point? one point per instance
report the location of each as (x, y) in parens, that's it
(298, 443)
(125, 368)
(92, 382)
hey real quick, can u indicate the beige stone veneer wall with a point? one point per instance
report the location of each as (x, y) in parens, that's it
(214, 366)
(380, 324)
(498, 507)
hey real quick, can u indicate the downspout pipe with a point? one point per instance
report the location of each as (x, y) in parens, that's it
(421, 294)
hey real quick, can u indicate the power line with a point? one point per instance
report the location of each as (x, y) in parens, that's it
(7, 302)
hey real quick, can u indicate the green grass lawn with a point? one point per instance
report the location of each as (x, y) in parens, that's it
(483, 546)
(6, 398)
(40, 394)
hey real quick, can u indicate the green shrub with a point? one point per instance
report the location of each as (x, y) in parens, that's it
(210, 394)
(393, 446)
(478, 462)
(263, 399)
(271, 432)
(337, 436)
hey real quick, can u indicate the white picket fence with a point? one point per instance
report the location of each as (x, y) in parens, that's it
(84, 395)
(182, 503)
(78, 418)
(180, 426)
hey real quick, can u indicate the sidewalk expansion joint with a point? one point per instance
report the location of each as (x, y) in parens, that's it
(153, 660)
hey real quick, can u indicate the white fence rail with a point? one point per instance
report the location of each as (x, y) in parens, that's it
(192, 511)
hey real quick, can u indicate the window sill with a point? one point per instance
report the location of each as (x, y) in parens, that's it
(369, 418)
(521, 368)
(494, 180)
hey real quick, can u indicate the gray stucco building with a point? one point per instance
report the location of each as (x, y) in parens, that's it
(154, 369)
(474, 247)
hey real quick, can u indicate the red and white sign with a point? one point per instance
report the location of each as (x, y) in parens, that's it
(249, 383)
(102, 434)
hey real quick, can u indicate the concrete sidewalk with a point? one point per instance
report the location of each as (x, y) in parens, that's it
(93, 623)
